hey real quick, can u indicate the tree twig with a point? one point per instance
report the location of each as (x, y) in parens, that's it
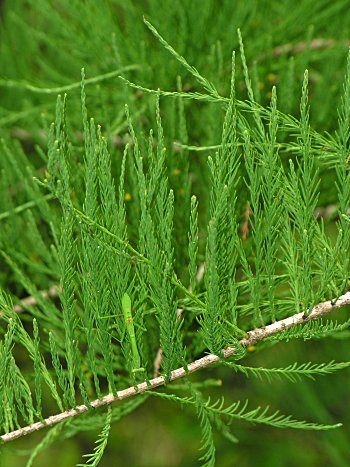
(52, 292)
(292, 48)
(329, 212)
(254, 336)
(20, 307)
(245, 226)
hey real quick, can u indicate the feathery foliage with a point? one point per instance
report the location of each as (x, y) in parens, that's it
(173, 177)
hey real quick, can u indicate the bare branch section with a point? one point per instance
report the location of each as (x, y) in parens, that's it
(255, 336)
(315, 44)
(52, 292)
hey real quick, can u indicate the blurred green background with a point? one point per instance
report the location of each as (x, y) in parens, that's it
(43, 46)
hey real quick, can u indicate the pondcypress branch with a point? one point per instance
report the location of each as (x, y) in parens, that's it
(318, 43)
(254, 336)
(52, 292)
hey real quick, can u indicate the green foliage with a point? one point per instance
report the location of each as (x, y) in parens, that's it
(292, 372)
(101, 443)
(238, 411)
(170, 199)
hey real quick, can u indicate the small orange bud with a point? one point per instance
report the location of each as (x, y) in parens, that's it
(272, 77)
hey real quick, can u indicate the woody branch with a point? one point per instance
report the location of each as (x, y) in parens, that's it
(254, 336)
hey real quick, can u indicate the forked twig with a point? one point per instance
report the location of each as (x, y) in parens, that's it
(254, 336)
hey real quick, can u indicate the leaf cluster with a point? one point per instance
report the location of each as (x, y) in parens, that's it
(209, 240)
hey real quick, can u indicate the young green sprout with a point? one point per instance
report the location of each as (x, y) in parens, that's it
(129, 323)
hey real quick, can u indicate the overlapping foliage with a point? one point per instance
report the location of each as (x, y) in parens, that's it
(114, 197)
